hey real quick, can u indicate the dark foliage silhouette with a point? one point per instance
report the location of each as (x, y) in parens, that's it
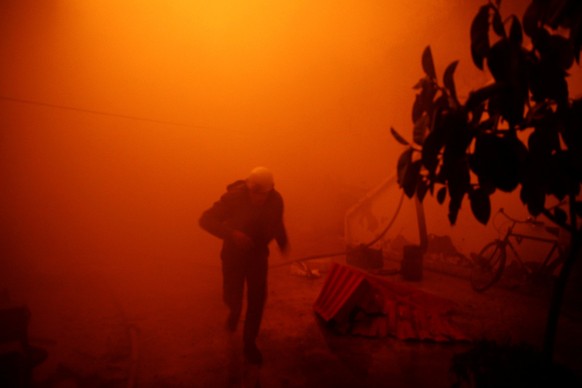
(522, 131)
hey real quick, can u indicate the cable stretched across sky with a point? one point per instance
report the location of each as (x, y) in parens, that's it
(107, 114)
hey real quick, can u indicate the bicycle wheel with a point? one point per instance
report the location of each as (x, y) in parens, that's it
(488, 266)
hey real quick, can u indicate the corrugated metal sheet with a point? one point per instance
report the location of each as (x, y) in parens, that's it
(340, 293)
(366, 305)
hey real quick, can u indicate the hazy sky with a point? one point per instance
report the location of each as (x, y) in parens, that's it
(147, 109)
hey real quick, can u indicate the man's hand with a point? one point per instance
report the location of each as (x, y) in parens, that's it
(241, 240)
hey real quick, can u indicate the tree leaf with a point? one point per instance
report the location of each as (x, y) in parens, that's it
(417, 108)
(479, 96)
(419, 84)
(508, 163)
(480, 205)
(487, 186)
(547, 81)
(571, 134)
(427, 96)
(458, 184)
(557, 50)
(428, 63)
(477, 114)
(454, 207)
(440, 105)
(421, 189)
(411, 178)
(404, 161)
(449, 81)
(515, 33)
(480, 36)
(536, 113)
(458, 135)
(431, 149)
(499, 61)
(398, 138)
(508, 64)
(561, 181)
(498, 23)
(441, 195)
(421, 128)
(531, 18)
(560, 215)
(533, 195)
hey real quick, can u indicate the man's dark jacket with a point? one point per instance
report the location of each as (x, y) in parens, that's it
(234, 211)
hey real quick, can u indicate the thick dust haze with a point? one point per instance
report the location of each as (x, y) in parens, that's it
(121, 121)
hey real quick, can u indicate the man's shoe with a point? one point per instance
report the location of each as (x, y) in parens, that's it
(253, 355)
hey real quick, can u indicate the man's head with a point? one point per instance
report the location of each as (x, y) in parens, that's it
(260, 184)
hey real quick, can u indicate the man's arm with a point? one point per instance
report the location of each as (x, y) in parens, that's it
(281, 238)
(280, 230)
(214, 219)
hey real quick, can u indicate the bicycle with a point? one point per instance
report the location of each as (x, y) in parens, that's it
(490, 263)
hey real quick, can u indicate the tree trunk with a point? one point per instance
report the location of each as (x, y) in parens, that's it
(558, 297)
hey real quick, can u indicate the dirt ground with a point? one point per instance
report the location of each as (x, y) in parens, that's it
(156, 327)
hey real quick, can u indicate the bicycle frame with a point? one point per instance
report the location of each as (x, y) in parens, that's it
(519, 237)
(492, 259)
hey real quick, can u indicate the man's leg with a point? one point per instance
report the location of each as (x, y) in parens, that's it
(232, 291)
(256, 297)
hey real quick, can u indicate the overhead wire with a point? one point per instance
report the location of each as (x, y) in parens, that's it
(108, 114)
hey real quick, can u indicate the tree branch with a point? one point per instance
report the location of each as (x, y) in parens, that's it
(552, 218)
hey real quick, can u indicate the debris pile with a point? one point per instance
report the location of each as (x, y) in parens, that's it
(357, 303)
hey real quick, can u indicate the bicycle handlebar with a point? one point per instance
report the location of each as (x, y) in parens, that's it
(529, 220)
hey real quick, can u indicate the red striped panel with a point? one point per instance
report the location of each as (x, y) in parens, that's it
(341, 291)
(385, 308)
